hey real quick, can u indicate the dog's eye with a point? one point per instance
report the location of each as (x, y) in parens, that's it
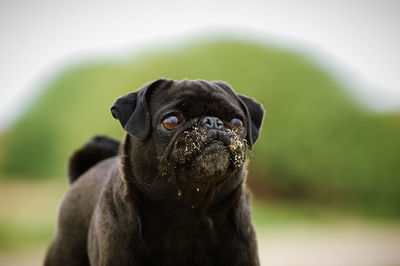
(237, 124)
(171, 122)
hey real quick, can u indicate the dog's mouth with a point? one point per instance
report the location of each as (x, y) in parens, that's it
(208, 154)
(212, 161)
(199, 159)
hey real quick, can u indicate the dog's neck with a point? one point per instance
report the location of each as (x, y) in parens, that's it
(168, 195)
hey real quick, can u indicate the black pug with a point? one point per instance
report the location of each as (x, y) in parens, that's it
(174, 193)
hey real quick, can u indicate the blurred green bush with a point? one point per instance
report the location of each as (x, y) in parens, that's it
(317, 142)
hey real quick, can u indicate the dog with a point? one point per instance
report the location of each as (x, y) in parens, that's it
(173, 192)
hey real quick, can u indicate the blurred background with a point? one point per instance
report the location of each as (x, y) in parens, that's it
(325, 172)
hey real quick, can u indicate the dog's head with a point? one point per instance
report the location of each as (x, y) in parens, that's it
(195, 133)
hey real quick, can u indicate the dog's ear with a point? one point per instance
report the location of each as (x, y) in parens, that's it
(255, 112)
(132, 110)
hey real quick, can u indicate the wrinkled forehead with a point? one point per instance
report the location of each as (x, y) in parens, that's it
(198, 97)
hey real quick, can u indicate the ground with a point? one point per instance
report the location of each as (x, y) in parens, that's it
(344, 245)
(288, 235)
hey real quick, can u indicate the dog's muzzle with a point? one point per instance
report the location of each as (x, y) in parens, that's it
(208, 151)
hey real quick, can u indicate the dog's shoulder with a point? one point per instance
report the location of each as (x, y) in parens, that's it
(94, 151)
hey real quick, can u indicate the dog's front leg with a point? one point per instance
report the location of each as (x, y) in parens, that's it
(109, 241)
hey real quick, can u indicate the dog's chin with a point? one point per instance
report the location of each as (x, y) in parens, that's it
(201, 159)
(200, 175)
(213, 162)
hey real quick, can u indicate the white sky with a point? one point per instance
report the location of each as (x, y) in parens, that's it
(38, 37)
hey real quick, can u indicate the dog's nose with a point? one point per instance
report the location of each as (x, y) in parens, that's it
(212, 122)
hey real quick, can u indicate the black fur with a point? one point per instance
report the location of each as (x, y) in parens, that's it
(171, 196)
(96, 150)
(132, 111)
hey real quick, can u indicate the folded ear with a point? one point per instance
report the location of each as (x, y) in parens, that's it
(253, 110)
(256, 112)
(132, 110)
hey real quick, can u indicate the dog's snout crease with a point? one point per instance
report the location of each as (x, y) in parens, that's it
(212, 122)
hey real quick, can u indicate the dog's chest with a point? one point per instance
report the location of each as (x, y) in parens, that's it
(192, 240)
